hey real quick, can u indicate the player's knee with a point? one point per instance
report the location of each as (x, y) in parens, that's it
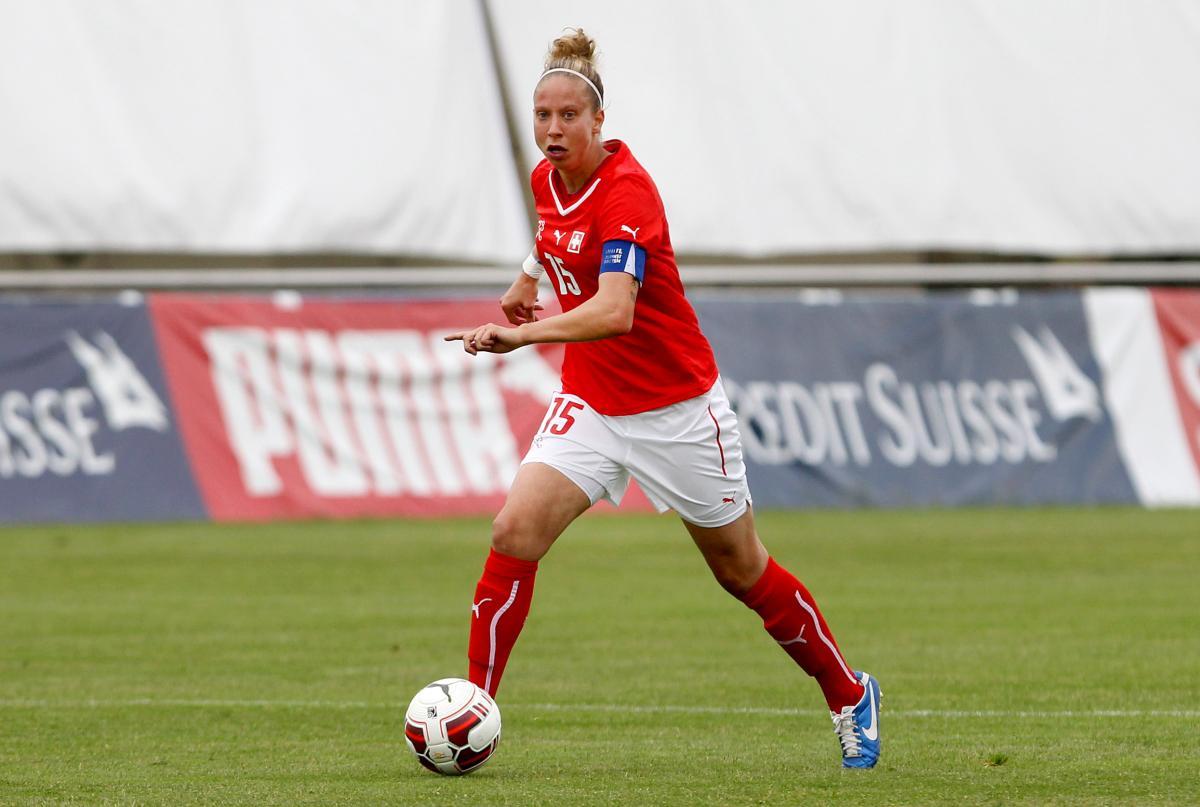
(733, 572)
(510, 537)
(506, 534)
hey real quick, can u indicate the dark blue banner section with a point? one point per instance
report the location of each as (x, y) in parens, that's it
(87, 430)
(938, 400)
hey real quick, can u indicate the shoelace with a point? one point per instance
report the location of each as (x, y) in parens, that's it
(844, 726)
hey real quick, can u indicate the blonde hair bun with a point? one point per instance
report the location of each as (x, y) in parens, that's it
(576, 51)
(574, 47)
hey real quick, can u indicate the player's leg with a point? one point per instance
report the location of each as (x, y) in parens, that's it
(541, 503)
(790, 614)
(689, 457)
(740, 563)
(568, 468)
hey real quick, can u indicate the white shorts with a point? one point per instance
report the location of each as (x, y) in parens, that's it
(687, 457)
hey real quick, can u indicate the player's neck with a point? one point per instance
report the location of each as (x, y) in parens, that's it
(575, 180)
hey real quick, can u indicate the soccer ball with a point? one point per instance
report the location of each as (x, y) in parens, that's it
(452, 726)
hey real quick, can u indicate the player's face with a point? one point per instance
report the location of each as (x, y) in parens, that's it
(565, 123)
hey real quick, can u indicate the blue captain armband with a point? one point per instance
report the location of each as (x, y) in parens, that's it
(623, 256)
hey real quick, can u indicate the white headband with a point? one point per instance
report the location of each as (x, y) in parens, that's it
(580, 75)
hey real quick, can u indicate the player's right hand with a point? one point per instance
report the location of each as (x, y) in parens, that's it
(519, 303)
(489, 338)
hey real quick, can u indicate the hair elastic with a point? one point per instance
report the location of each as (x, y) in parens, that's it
(575, 73)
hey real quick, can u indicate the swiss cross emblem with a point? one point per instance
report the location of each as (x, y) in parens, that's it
(576, 241)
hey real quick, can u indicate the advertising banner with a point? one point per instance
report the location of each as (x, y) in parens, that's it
(926, 401)
(348, 408)
(241, 408)
(87, 430)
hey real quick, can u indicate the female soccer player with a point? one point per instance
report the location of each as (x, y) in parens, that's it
(640, 396)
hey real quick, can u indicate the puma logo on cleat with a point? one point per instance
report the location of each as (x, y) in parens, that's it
(799, 638)
(475, 606)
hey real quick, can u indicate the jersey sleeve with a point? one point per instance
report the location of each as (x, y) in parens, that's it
(632, 212)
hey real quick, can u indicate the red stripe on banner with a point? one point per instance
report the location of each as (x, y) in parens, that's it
(344, 408)
(1178, 312)
(347, 408)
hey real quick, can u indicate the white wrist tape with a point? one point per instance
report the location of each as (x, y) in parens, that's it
(533, 267)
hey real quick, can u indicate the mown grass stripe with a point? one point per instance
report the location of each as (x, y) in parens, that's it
(219, 703)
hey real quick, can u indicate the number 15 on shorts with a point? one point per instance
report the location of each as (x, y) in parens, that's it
(559, 419)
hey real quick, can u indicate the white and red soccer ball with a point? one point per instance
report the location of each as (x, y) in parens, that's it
(452, 726)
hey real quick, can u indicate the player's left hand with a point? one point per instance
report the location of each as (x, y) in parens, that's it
(488, 338)
(519, 303)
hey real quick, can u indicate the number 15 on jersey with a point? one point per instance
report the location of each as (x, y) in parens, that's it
(566, 281)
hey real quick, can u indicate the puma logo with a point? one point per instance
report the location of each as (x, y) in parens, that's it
(630, 230)
(475, 606)
(798, 640)
(444, 688)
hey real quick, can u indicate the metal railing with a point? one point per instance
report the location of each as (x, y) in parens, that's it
(699, 276)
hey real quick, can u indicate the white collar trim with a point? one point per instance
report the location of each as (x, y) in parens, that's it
(564, 211)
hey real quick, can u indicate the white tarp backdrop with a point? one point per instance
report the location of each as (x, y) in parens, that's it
(262, 126)
(372, 126)
(772, 127)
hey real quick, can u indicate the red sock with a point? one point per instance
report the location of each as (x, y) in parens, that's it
(498, 613)
(792, 618)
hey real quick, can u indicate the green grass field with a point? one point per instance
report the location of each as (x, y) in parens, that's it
(1026, 657)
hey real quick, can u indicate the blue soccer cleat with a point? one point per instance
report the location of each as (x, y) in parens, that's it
(857, 727)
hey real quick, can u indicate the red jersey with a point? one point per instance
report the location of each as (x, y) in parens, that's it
(665, 358)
